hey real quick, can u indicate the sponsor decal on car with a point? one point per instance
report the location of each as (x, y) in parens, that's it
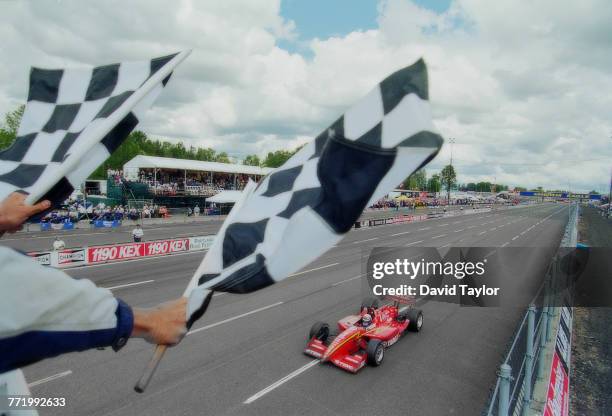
(391, 341)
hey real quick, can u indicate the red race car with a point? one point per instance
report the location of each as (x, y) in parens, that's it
(363, 338)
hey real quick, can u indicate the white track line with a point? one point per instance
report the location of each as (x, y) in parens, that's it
(363, 241)
(242, 315)
(346, 280)
(438, 236)
(50, 378)
(460, 230)
(129, 285)
(405, 232)
(424, 228)
(280, 382)
(481, 233)
(414, 242)
(315, 269)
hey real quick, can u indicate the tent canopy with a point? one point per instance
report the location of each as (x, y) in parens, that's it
(151, 162)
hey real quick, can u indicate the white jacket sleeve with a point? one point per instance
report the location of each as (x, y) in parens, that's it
(44, 312)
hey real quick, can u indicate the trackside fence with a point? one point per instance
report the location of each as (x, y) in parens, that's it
(528, 361)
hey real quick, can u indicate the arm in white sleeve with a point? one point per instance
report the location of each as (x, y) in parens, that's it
(44, 313)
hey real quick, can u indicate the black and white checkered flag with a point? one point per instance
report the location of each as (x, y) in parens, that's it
(74, 119)
(302, 209)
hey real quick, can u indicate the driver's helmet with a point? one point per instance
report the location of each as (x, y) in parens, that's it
(366, 320)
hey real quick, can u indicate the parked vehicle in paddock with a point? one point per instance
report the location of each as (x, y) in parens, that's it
(363, 338)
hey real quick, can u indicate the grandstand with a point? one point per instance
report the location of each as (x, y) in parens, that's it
(177, 182)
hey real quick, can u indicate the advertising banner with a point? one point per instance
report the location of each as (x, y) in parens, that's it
(102, 254)
(43, 258)
(564, 336)
(162, 247)
(201, 243)
(71, 257)
(557, 400)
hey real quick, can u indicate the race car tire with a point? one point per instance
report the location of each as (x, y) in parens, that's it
(375, 352)
(415, 316)
(320, 330)
(370, 302)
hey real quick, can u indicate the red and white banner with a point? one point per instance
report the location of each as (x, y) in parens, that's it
(557, 400)
(102, 254)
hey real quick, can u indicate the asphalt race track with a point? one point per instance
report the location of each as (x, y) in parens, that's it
(245, 356)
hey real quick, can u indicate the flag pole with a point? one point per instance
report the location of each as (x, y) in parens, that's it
(149, 370)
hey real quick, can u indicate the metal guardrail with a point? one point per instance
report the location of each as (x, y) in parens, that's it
(524, 363)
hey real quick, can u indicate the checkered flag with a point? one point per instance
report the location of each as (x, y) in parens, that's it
(73, 120)
(302, 209)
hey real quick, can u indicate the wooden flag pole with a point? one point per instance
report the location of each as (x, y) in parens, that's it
(160, 350)
(158, 354)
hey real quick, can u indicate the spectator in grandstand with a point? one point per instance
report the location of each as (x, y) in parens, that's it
(46, 313)
(58, 244)
(196, 210)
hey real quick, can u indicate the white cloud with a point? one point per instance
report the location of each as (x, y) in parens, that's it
(522, 86)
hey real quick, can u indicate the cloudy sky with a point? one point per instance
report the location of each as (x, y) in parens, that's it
(525, 87)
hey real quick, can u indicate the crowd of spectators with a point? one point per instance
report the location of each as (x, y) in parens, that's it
(79, 210)
(196, 183)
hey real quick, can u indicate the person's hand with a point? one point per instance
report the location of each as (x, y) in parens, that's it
(14, 212)
(164, 324)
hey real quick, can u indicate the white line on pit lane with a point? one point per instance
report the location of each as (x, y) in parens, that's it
(481, 233)
(414, 242)
(515, 237)
(505, 244)
(438, 236)
(458, 231)
(424, 228)
(442, 225)
(282, 381)
(50, 378)
(405, 232)
(129, 285)
(193, 331)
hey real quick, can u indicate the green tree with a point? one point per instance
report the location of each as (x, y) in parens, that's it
(222, 157)
(251, 160)
(416, 181)
(434, 184)
(8, 129)
(277, 158)
(448, 177)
